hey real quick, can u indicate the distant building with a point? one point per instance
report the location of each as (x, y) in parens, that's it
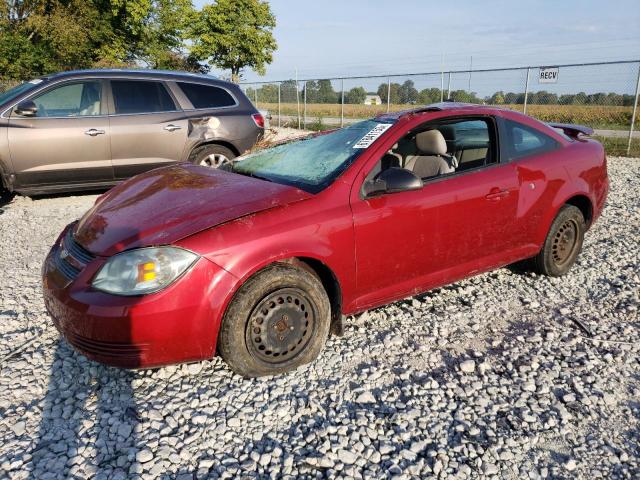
(373, 100)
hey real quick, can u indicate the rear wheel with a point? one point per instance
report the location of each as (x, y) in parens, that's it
(213, 156)
(563, 243)
(277, 321)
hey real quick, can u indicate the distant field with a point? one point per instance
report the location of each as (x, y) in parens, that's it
(593, 115)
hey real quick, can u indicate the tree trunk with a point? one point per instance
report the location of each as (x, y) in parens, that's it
(235, 74)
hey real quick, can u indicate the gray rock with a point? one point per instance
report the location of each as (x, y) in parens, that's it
(467, 366)
(347, 457)
(490, 468)
(366, 397)
(19, 428)
(144, 456)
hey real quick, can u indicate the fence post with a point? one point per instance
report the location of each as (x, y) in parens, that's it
(279, 97)
(388, 93)
(298, 98)
(633, 115)
(304, 110)
(255, 94)
(442, 86)
(449, 87)
(526, 91)
(342, 103)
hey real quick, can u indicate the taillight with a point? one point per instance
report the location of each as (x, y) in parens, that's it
(259, 119)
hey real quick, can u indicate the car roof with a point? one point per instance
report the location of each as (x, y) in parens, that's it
(135, 72)
(439, 107)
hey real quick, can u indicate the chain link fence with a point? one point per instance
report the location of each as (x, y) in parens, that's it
(603, 96)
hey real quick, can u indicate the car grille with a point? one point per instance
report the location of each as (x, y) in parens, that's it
(131, 351)
(71, 257)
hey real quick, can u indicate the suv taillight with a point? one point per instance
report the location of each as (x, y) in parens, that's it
(259, 119)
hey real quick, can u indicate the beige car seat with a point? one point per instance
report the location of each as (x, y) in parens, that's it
(432, 158)
(91, 109)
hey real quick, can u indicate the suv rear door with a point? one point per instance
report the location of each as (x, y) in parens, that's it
(67, 141)
(148, 129)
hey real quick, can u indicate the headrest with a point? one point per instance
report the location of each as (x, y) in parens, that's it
(431, 142)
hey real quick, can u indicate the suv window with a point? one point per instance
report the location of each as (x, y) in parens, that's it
(206, 96)
(524, 141)
(141, 96)
(70, 100)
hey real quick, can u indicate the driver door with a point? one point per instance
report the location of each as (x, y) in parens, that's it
(66, 141)
(456, 225)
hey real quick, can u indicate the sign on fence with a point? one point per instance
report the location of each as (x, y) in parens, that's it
(548, 75)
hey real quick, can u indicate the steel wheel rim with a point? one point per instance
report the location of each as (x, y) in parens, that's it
(565, 243)
(214, 160)
(281, 326)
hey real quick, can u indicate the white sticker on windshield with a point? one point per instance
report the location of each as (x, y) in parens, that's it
(372, 136)
(36, 81)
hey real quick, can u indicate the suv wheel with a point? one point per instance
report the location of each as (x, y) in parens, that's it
(213, 156)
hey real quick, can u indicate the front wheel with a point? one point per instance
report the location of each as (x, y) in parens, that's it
(563, 243)
(277, 321)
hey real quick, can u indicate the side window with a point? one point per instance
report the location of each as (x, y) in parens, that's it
(140, 96)
(469, 141)
(206, 96)
(524, 141)
(71, 100)
(442, 148)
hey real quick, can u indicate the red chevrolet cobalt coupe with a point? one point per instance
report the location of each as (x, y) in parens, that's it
(259, 261)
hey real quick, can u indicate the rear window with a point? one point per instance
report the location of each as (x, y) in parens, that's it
(206, 96)
(136, 96)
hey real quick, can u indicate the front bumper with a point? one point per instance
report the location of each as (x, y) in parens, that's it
(177, 324)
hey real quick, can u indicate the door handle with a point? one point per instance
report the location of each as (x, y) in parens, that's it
(92, 132)
(496, 194)
(172, 128)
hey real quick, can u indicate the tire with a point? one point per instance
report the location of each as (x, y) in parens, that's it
(278, 320)
(563, 243)
(212, 156)
(5, 196)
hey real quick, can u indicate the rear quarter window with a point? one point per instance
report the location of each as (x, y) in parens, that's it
(523, 141)
(206, 96)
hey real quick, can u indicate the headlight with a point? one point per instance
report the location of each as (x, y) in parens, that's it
(144, 270)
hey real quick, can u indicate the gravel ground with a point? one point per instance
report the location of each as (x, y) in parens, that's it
(489, 376)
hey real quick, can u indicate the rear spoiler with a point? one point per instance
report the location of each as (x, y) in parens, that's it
(572, 130)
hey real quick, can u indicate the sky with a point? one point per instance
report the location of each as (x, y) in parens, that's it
(331, 38)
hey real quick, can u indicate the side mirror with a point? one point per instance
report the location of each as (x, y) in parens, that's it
(393, 180)
(26, 108)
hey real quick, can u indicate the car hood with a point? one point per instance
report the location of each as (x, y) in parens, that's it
(167, 204)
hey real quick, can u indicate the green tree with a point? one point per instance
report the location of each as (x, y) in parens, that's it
(408, 92)
(312, 91)
(234, 34)
(497, 98)
(43, 36)
(288, 90)
(268, 93)
(356, 95)
(395, 92)
(326, 93)
(429, 95)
